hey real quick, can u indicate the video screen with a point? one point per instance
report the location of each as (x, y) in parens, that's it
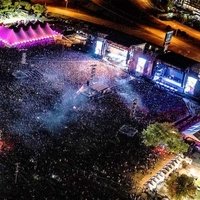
(168, 36)
(98, 47)
(190, 85)
(140, 65)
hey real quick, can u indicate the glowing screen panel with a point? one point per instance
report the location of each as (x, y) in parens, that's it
(98, 47)
(140, 65)
(190, 85)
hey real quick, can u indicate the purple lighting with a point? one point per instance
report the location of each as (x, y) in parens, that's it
(23, 37)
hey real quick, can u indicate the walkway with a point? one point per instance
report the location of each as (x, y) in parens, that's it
(142, 179)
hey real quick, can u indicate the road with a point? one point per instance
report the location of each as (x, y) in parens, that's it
(147, 5)
(145, 32)
(112, 9)
(143, 4)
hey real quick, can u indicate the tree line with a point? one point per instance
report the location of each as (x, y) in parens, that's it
(8, 6)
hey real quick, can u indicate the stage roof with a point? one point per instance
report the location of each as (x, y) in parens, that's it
(32, 33)
(176, 60)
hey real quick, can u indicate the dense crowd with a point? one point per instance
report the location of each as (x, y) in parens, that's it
(66, 146)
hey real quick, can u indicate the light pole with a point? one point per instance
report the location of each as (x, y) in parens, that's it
(16, 172)
(66, 3)
(176, 30)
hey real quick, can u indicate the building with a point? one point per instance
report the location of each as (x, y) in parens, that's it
(191, 5)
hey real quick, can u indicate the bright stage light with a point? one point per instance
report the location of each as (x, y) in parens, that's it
(190, 85)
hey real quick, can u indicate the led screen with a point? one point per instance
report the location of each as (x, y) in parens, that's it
(98, 47)
(117, 55)
(190, 85)
(140, 65)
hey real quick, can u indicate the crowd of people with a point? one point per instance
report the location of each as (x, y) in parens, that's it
(65, 145)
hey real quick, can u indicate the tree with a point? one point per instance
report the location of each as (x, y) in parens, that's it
(17, 5)
(170, 3)
(38, 9)
(164, 134)
(181, 187)
(27, 6)
(22, 4)
(6, 3)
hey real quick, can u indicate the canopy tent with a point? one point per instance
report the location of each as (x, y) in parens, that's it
(16, 36)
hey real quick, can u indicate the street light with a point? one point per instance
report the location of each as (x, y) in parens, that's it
(176, 30)
(66, 3)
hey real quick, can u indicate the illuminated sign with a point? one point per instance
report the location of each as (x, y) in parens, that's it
(168, 37)
(167, 40)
